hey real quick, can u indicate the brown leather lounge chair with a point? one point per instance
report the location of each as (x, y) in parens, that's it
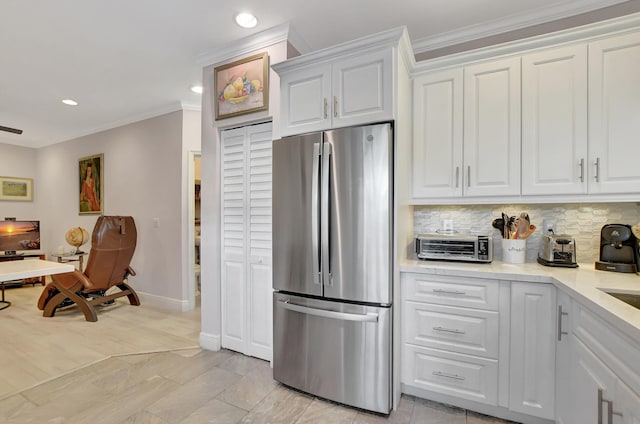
(112, 245)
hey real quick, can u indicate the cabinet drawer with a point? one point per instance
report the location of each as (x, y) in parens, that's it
(463, 376)
(461, 330)
(453, 291)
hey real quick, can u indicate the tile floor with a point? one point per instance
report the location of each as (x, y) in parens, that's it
(142, 365)
(193, 386)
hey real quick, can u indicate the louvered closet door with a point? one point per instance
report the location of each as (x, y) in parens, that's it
(246, 245)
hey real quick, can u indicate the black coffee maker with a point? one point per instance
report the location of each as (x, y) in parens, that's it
(618, 249)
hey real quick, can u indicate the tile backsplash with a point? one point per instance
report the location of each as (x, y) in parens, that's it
(582, 221)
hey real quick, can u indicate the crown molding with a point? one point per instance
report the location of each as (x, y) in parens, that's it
(298, 42)
(194, 107)
(245, 45)
(583, 33)
(151, 113)
(385, 38)
(511, 23)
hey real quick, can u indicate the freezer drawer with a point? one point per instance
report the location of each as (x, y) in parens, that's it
(337, 351)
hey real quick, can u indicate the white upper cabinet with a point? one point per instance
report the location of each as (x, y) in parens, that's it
(554, 121)
(362, 89)
(614, 108)
(466, 132)
(437, 134)
(550, 117)
(350, 84)
(492, 128)
(305, 99)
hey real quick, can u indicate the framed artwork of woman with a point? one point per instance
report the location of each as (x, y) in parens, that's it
(91, 184)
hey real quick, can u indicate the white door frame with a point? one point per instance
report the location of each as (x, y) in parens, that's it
(191, 238)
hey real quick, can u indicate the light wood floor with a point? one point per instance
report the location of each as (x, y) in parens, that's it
(34, 348)
(141, 365)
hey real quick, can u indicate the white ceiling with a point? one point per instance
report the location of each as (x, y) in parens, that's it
(126, 60)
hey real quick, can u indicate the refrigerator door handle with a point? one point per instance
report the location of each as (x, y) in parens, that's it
(315, 221)
(325, 216)
(343, 316)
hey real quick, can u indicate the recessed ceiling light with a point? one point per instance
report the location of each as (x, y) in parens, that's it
(70, 102)
(246, 20)
(197, 89)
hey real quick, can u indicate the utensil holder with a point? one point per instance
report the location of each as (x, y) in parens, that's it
(514, 251)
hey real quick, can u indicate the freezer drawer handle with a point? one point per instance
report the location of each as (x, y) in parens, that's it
(452, 376)
(449, 330)
(343, 316)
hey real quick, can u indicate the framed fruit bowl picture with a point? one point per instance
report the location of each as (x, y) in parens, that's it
(242, 86)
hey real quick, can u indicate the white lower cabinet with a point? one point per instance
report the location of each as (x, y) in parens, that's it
(532, 359)
(462, 376)
(627, 405)
(488, 343)
(592, 383)
(564, 359)
(604, 377)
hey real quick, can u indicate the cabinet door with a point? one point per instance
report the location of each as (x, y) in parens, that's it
(492, 128)
(614, 90)
(305, 100)
(627, 404)
(437, 135)
(362, 89)
(532, 361)
(591, 383)
(563, 358)
(554, 121)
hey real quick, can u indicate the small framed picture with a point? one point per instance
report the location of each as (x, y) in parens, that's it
(14, 188)
(91, 175)
(242, 86)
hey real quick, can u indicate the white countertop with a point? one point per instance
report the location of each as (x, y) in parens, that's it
(28, 268)
(583, 283)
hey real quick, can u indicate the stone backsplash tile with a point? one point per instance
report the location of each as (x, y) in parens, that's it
(582, 221)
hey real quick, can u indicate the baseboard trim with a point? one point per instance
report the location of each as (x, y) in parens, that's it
(209, 341)
(163, 302)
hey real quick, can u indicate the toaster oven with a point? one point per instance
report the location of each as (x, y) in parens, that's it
(454, 247)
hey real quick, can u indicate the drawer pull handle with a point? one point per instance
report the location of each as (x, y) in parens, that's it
(561, 313)
(449, 330)
(447, 375)
(448, 291)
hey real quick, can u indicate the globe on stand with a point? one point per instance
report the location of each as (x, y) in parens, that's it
(76, 237)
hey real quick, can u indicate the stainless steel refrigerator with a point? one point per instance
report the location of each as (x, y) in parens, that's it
(332, 256)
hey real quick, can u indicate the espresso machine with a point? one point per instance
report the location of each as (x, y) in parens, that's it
(618, 249)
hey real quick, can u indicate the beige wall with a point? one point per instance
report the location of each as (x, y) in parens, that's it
(145, 176)
(22, 162)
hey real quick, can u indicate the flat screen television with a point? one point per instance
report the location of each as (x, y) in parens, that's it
(16, 236)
